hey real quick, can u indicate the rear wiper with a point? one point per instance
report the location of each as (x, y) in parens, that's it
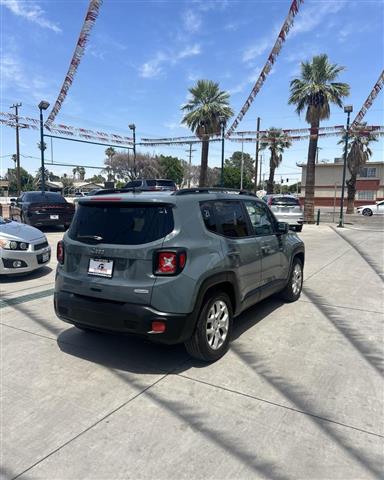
(97, 238)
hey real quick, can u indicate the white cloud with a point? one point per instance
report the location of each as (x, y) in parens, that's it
(175, 125)
(250, 80)
(256, 50)
(15, 77)
(32, 12)
(189, 51)
(314, 14)
(191, 21)
(155, 67)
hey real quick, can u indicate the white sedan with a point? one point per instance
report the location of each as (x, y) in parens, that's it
(368, 210)
(22, 248)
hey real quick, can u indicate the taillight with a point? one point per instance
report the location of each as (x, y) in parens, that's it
(169, 263)
(270, 201)
(60, 252)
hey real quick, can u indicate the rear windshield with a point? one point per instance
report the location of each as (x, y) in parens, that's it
(285, 201)
(47, 197)
(121, 224)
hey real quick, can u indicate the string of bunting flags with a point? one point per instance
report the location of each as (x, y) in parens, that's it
(89, 21)
(287, 25)
(67, 130)
(369, 101)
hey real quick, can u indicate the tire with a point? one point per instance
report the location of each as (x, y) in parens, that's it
(292, 290)
(367, 212)
(209, 347)
(299, 228)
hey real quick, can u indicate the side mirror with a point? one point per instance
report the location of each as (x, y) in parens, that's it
(282, 227)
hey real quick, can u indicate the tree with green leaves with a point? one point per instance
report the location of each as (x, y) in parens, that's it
(313, 92)
(110, 152)
(358, 155)
(205, 110)
(82, 172)
(171, 168)
(232, 171)
(276, 141)
(26, 180)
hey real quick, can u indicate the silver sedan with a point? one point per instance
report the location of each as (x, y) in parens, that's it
(22, 248)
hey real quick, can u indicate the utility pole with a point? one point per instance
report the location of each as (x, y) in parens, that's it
(190, 163)
(16, 107)
(261, 164)
(257, 151)
(242, 163)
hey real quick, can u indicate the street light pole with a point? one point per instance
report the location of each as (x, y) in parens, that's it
(43, 105)
(18, 177)
(132, 127)
(347, 109)
(257, 151)
(222, 124)
(242, 164)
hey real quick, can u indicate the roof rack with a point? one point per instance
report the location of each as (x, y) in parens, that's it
(188, 191)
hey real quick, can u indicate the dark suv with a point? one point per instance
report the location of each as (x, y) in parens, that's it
(152, 184)
(174, 267)
(41, 209)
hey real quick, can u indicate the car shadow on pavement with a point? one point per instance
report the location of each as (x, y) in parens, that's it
(25, 277)
(137, 355)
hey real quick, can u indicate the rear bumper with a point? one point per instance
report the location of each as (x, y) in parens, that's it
(42, 220)
(120, 317)
(292, 219)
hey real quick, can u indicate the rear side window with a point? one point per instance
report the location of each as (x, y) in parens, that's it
(121, 224)
(47, 197)
(290, 201)
(226, 218)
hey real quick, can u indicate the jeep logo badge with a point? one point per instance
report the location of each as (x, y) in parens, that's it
(98, 251)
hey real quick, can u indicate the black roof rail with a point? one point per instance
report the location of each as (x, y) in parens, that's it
(188, 191)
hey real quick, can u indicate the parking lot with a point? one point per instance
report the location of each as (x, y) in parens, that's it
(298, 396)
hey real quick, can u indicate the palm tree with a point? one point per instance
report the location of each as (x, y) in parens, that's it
(206, 109)
(358, 154)
(276, 141)
(81, 171)
(314, 91)
(110, 152)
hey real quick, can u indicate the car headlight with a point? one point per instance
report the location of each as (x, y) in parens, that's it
(13, 244)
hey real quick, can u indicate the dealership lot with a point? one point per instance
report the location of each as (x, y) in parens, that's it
(298, 396)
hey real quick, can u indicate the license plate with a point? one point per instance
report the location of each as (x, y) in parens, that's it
(54, 217)
(100, 267)
(45, 257)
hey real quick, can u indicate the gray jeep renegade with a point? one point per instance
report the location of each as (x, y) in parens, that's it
(174, 267)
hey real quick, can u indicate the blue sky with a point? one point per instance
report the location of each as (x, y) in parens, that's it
(144, 55)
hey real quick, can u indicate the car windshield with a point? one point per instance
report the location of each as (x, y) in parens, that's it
(284, 201)
(47, 197)
(121, 224)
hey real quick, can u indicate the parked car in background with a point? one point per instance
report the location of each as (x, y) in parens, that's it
(94, 192)
(368, 210)
(152, 184)
(174, 267)
(42, 209)
(286, 208)
(22, 248)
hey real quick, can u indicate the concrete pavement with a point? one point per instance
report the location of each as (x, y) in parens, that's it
(298, 396)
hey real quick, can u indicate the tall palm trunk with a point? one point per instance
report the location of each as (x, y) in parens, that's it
(204, 161)
(351, 187)
(270, 182)
(309, 200)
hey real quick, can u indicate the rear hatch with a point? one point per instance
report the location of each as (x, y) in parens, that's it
(285, 205)
(46, 209)
(110, 246)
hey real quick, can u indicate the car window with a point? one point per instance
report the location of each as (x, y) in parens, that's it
(133, 184)
(151, 183)
(208, 213)
(230, 218)
(260, 217)
(165, 183)
(284, 201)
(122, 224)
(47, 197)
